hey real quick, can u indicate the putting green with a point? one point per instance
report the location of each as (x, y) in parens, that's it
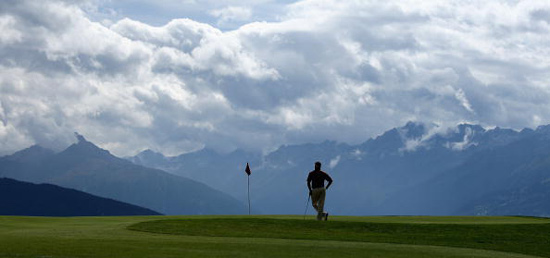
(110, 237)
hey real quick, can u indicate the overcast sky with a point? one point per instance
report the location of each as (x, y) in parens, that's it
(178, 75)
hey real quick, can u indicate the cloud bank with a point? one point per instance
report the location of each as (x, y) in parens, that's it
(335, 70)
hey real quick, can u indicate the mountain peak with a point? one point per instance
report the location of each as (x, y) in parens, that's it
(413, 130)
(147, 156)
(34, 153)
(86, 148)
(543, 129)
(465, 127)
(149, 152)
(80, 137)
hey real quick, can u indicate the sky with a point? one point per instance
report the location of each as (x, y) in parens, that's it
(177, 76)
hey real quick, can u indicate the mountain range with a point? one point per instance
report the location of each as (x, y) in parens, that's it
(417, 169)
(84, 166)
(26, 199)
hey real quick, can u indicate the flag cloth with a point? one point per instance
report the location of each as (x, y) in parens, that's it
(247, 170)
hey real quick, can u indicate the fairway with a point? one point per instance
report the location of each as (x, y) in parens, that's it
(274, 236)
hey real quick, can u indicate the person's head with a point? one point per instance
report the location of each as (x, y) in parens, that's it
(317, 166)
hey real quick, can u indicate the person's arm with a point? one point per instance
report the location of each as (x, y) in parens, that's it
(309, 184)
(329, 180)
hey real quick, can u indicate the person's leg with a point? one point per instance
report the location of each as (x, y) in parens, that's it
(321, 215)
(316, 196)
(321, 202)
(315, 199)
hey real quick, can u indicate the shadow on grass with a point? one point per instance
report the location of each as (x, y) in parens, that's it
(531, 239)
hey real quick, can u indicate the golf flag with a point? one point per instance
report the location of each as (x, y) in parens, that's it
(247, 170)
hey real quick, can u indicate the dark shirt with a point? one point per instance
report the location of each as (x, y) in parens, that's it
(317, 178)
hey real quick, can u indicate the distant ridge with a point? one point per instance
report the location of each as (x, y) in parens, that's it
(86, 167)
(416, 169)
(27, 199)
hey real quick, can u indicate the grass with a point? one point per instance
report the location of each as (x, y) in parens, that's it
(274, 236)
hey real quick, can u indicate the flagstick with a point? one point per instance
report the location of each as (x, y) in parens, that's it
(248, 195)
(247, 170)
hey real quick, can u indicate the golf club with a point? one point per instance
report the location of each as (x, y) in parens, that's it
(307, 205)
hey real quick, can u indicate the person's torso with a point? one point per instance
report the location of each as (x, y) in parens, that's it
(317, 179)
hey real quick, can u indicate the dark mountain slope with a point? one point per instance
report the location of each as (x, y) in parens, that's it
(27, 199)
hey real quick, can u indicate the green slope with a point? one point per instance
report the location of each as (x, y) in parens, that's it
(273, 236)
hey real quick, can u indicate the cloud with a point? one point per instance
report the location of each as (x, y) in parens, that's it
(466, 142)
(9, 35)
(231, 14)
(323, 69)
(334, 162)
(225, 14)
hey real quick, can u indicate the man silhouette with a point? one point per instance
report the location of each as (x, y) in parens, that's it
(317, 191)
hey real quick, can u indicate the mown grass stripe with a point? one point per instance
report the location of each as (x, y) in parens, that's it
(531, 239)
